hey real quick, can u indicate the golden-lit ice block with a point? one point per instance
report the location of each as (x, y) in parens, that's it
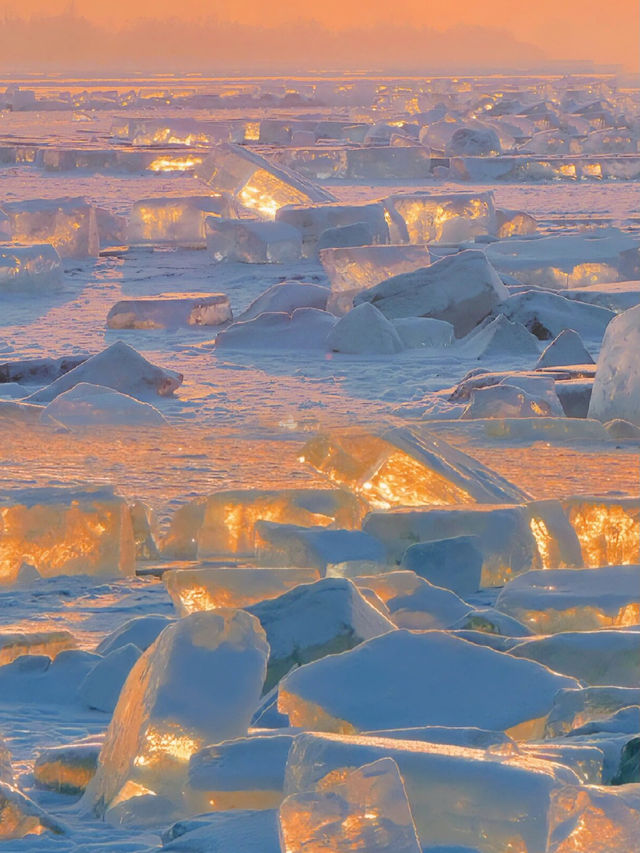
(65, 532)
(425, 217)
(198, 683)
(175, 221)
(170, 311)
(69, 224)
(595, 819)
(67, 769)
(20, 816)
(192, 590)
(401, 468)
(608, 529)
(50, 643)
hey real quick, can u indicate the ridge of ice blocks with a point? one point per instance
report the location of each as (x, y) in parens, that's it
(568, 260)
(426, 217)
(312, 547)
(255, 183)
(454, 563)
(65, 531)
(120, 368)
(67, 769)
(616, 388)
(374, 686)
(14, 644)
(197, 684)
(69, 224)
(26, 267)
(608, 528)
(353, 269)
(502, 800)
(499, 338)
(248, 241)
(86, 405)
(314, 620)
(170, 311)
(174, 221)
(312, 221)
(20, 816)
(566, 348)
(364, 331)
(462, 289)
(546, 315)
(192, 590)
(285, 297)
(398, 467)
(558, 600)
(364, 809)
(304, 329)
(223, 523)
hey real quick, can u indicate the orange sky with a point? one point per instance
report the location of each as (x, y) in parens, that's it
(563, 29)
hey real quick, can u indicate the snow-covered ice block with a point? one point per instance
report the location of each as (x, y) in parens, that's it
(29, 267)
(315, 620)
(499, 338)
(312, 547)
(418, 332)
(69, 224)
(364, 331)
(87, 405)
(141, 631)
(607, 527)
(375, 686)
(252, 241)
(514, 223)
(313, 220)
(20, 816)
(462, 289)
(426, 217)
(351, 270)
(506, 401)
(546, 315)
(413, 602)
(285, 297)
(566, 348)
(13, 644)
(501, 800)
(238, 831)
(616, 388)
(170, 311)
(101, 688)
(400, 468)
(67, 769)
(364, 809)
(454, 563)
(197, 684)
(306, 328)
(257, 184)
(568, 260)
(66, 531)
(573, 708)
(118, 367)
(192, 590)
(174, 221)
(593, 657)
(244, 773)
(559, 600)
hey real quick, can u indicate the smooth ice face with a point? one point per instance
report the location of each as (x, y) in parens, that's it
(500, 338)
(27, 267)
(424, 217)
(365, 809)
(174, 221)
(608, 529)
(65, 532)
(247, 241)
(616, 389)
(566, 348)
(170, 311)
(69, 224)
(547, 315)
(198, 683)
(559, 600)
(374, 686)
(305, 329)
(87, 405)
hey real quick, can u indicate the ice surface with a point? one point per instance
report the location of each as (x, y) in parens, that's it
(66, 532)
(51, 643)
(67, 769)
(102, 685)
(69, 224)
(374, 686)
(285, 297)
(364, 331)
(426, 217)
(118, 367)
(574, 600)
(304, 329)
(87, 405)
(547, 315)
(566, 348)
(461, 289)
(313, 221)
(27, 267)
(607, 527)
(174, 221)
(248, 241)
(197, 684)
(616, 389)
(454, 563)
(170, 311)
(365, 809)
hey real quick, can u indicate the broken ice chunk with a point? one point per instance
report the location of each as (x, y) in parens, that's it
(608, 528)
(425, 217)
(594, 818)
(305, 329)
(285, 297)
(170, 311)
(312, 547)
(312, 221)
(14, 644)
(87, 405)
(26, 267)
(546, 315)
(69, 224)
(505, 401)
(101, 687)
(573, 708)
(566, 348)
(364, 331)
(454, 563)
(247, 241)
(67, 769)
(616, 388)
(174, 221)
(20, 816)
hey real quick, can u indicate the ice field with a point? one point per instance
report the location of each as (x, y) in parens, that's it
(320, 474)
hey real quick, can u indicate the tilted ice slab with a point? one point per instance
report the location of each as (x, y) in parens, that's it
(547, 314)
(616, 388)
(426, 217)
(462, 289)
(364, 809)
(375, 686)
(174, 221)
(306, 328)
(247, 241)
(69, 224)
(313, 220)
(192, 590)
(170, 311)
(86, 405)
(364, 331)
(197, 684)
(401, 468)
(66, 532)
(118, 367)
(501, 799)
(574, 599)
(285, 297)
(29, 267)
